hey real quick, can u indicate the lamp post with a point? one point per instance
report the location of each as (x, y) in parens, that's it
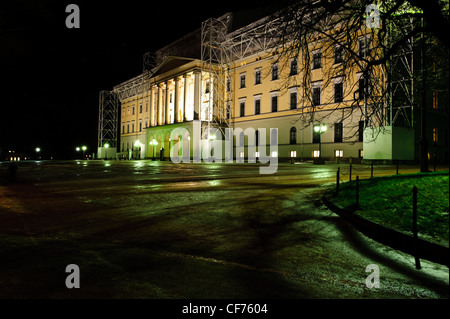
(106, 146)
(84, 148)
(320, 129)
(153, 143)
(211, 139)
(137, 144)
(38, 150)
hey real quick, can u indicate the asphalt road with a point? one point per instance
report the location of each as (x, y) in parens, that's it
(143, 229)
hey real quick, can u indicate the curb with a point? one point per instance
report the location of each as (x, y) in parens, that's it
(421, 248)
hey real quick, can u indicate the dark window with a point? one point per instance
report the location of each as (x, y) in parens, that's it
(293, 100)
(140, 108)
(228, 111)
(274, 72)
(228, 85)
(294, 67)
(274, 103)
(338, 132)
(256, 137)
(316, 137)
(338, 54)
(361, 131)
(242, 109)
(257, 106)
(315, 98)
(363, 48)
(293, 136)
(242, 81)
(317, 60)
(258, 77)
(338, 92)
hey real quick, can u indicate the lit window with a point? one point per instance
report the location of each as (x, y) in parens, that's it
(316, 153)
(274, 154)
(361, 153)
(338, 153)
(435, 100)
(256, 154)
(435, 135)
(293, 153)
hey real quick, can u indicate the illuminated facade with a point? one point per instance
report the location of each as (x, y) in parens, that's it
(246, 84)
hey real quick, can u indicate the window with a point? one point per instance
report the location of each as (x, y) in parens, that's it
(146, 106)
(435, 100)
(338, 92)
(257, 105)
(132, 126)
(294, 67)
(242, 109)
(435, 135)
(123, 128)
(361, 131)
(293, 153)
(316, 137)
(207, 88)
(360, 153)
(338, 132)
(274, 99)
(258, 76)
(338, 153)
(140, 125)
(338, 54)
(293, 136)
(315, 96)
(316, 153)
(228, 110)
(363, 47)
(317, 60)
(361, 88)
(132, 112)
(293, 100)
(242, 82)
(128, 127)
(140, 108)
(274, 72)
(228, 85)
(257, 138)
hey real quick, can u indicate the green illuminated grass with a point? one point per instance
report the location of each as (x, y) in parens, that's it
(388, 201)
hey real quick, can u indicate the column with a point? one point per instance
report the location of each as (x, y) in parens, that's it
(196, 95)
(177, 107)
(158, 107)
(185, 97)
(166, 104)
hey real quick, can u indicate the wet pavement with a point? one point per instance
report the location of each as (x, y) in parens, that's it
(143, 229)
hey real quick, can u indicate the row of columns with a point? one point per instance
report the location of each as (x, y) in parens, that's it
(162, 101)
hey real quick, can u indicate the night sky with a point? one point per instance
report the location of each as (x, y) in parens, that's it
(51, 75)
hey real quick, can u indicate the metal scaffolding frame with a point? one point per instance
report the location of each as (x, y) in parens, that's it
(401, 79)
(108, 119)
(220, 50)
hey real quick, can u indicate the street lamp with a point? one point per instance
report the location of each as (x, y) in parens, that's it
(153, 143)
(137, 144)
(106, 151)
(38, 150)
(84, 148)
(320, 129)
(211, 139)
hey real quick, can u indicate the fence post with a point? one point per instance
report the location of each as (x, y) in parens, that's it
(414, 228)
(371, 170)
(357, 191)
(350, 172)
(337, 179)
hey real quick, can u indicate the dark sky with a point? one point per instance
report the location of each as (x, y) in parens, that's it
(50, 76)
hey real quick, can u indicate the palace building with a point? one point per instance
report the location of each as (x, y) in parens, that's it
(230, 76)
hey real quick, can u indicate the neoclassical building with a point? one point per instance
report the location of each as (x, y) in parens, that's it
(223, 78)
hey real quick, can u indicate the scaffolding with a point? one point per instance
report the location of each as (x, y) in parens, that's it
(108, 119)
(400, 71)
(221, 49)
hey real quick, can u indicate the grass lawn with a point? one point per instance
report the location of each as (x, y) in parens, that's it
(388, 201)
